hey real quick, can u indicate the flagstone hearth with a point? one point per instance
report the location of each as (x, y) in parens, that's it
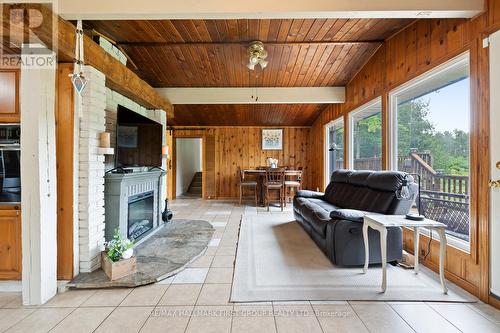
(167, 252)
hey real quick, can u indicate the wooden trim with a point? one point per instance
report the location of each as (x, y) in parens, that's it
(65, 175)
(493, 301)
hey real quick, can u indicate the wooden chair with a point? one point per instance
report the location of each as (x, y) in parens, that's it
(274, 180)
(245, 183)
(293, 182)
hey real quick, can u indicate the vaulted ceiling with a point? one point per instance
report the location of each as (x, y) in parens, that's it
(212, 53)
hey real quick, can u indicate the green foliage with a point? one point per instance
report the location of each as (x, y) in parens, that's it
(450, 150)
(368, 137)
(117, 246)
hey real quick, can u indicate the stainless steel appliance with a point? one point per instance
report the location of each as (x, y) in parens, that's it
(10, 163)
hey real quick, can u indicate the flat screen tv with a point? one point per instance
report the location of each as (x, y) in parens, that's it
(138, 140)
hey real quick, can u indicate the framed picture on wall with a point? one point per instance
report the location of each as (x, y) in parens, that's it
(272, 139)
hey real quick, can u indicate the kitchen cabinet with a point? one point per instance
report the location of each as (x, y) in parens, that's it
(9, 96)
(10, 243)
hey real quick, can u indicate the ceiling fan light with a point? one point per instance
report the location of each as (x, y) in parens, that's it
(263, 63)
(251, 66)
(254, 59)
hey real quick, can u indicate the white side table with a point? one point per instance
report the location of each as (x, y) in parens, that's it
(381, 222)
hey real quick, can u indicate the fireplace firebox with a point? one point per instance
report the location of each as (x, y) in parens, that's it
(140, 215)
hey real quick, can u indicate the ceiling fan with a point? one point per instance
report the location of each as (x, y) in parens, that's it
(256, 55)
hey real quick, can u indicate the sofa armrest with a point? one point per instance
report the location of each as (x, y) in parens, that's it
(309, 194)
(353, 215)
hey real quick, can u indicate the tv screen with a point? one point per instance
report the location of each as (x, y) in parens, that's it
(138, 140)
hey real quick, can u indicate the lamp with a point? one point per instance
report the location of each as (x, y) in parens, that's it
(256, 55)
(404, 194)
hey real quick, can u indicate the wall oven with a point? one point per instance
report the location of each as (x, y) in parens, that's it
(10, 163)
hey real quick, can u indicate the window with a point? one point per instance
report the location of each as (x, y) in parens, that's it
(334, 147)
(430, 121)
(365, 145)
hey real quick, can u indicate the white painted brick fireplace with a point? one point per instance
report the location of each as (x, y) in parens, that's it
(98, 114)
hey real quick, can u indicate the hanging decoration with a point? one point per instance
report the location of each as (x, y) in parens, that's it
(78, 78)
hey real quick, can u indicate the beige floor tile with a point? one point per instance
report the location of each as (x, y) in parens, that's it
(83, 320)
(203, 261)
(296, 319)
(145, 296)
(125, 320)
(181, 294)
(10, 317)
(487, 311)
(68, 299)
(338, 318)
(7, 298)
(171, 319)
(380, 317)
(41, 320)
(226, 251)
(219, 275)
(413, 313)
(191, 275)
(464, 318)
(253, 318)
(107, 297)
(223, 261)
(214, 294)
(210, 319)
(210, 251)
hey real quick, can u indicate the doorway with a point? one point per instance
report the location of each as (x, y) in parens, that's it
(188, 167)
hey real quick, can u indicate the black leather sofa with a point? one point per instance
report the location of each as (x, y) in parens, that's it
(334, 219)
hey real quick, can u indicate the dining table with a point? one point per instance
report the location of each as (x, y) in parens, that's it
(259, 174)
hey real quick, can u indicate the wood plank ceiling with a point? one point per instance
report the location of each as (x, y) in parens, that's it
(212, 53)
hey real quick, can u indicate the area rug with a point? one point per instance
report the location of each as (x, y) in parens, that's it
(277, 261)
(168, 251)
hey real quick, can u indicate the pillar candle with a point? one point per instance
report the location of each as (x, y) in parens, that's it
(105, 140)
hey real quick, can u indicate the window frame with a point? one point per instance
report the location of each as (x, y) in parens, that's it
(393, 135)
(328, 126)
(351, 114)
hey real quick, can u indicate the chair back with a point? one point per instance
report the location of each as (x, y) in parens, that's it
(295, 175)
(275, 176)
(241, 173)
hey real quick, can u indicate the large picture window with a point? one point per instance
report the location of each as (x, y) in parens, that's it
(365, 144)
(334, 147)
(430, 137)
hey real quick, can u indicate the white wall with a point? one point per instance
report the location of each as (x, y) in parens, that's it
(188, 154)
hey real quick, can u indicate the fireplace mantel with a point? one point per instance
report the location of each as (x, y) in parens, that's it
(119, 187)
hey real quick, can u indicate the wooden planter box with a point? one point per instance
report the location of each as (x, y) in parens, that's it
(119, 269)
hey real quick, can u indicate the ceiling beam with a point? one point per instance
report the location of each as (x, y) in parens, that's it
(62, 39)
(245, 44)
(259, 9)
(292, 95)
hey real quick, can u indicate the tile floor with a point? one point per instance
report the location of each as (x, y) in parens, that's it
(196, 300)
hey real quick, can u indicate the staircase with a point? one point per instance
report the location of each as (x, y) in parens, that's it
(195, 186)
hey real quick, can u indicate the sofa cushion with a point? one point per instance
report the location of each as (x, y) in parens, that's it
(317, 217)
(389, 181)
(353, 215)
(324, 204)
(309, 194)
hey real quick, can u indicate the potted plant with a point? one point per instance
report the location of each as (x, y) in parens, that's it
(118, 260)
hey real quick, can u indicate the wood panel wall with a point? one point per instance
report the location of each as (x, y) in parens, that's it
(65, 167)
(235, 147)
(415, 50)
